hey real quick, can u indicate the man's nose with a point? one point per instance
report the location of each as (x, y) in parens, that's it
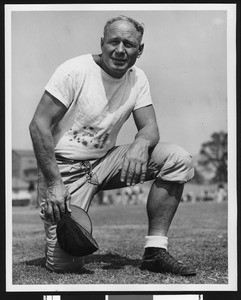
(120, 48)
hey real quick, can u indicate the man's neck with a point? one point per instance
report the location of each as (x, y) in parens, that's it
(97, 60)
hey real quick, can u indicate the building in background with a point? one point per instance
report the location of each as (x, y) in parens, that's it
(24, 177)
(24, 165)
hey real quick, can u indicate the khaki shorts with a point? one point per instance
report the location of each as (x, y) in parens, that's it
(167, 162)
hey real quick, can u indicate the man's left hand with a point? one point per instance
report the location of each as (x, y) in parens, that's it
(135, 163)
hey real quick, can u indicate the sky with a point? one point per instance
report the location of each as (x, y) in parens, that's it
(184, 58)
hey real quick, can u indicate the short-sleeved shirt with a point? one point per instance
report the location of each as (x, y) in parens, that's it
(97, 106)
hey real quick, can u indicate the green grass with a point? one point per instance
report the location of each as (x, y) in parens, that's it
(198, 235)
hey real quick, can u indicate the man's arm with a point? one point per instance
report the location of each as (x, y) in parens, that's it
(48, 112)
(136, 159)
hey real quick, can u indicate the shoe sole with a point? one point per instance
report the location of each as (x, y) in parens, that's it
(151, 268)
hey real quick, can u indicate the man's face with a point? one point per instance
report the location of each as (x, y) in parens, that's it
(120, 47)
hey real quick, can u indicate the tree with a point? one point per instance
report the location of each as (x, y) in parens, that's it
(198, 177)
(214, 155)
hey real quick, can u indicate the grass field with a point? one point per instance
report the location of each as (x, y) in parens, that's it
(198, 236)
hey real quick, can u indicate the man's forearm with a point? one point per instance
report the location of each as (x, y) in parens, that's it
(43, 145)
(149, 134)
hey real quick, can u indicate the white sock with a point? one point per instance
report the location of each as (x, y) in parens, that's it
(156, 241)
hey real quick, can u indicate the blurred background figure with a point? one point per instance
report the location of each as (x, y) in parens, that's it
(221, 194)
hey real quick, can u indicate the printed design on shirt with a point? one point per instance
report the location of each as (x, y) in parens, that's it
(88, 137)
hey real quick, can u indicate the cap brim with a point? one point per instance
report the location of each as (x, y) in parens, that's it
(74, 233)
(81, 217)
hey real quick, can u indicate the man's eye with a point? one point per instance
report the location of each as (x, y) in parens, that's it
(114, 42)
(129, 45)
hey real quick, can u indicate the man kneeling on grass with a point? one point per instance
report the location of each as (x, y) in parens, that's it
(74, 131)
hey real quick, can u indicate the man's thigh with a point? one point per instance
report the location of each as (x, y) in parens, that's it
(167, 162)
(157, 158)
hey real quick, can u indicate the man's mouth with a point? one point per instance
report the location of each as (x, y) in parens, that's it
(118, 60)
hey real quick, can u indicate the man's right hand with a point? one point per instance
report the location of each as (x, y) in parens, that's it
(57, 202)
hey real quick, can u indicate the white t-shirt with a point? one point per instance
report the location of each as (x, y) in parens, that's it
(97, 103)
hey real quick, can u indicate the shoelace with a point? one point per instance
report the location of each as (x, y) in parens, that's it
(168, 261)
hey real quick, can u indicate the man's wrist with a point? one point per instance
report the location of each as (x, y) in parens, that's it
(55, 182)
(144, 141)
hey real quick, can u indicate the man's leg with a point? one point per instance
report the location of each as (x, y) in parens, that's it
(162, 203)
(170, 166)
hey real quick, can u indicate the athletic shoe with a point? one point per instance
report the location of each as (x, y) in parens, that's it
(160, 261)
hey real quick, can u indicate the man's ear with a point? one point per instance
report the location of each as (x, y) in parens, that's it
(141, 48)
(101, 42)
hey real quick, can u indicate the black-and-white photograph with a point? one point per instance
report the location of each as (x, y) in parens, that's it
(121, 147)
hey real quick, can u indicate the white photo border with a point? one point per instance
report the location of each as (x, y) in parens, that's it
(232, 163)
